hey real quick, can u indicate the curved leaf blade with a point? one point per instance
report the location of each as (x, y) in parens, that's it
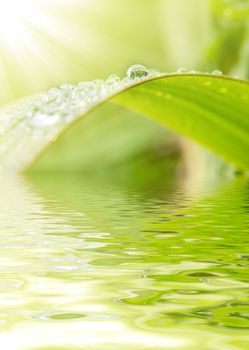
(212, 110)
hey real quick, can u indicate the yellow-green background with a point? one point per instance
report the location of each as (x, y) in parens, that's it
(87, 39)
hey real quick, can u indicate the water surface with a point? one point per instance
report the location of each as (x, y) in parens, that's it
(98, 264)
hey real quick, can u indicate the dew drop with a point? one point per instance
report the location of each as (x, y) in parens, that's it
(154, 73)
(53, 92)
(137, 71)
(98, 82)
(67, 87)
(82, 85)
(217, 72)
(113, 79)
(41, 120)
(182, 70)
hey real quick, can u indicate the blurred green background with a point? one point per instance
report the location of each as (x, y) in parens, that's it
(44, 43)
(52, 41)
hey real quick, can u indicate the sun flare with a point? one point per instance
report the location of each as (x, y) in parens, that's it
(39, 43)
(44, 43)
(13, 16)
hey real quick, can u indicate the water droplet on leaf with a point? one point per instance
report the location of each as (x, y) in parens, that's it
(217, 72)
(42, 120)
(154, 73)
(137, 71)
(182, 70)
(113, 79)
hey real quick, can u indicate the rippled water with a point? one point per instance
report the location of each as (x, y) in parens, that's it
(109, 264)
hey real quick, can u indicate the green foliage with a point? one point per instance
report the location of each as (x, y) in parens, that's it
(212, 110)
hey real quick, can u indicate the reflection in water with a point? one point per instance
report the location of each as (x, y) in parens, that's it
(99, 265)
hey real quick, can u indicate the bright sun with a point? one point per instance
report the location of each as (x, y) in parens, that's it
(13, 15)
(41, 42)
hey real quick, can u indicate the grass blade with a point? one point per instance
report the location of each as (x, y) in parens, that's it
(212, 110)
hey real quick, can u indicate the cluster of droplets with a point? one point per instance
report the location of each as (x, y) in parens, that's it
(62, 105)
(38, 120)
(186, 71)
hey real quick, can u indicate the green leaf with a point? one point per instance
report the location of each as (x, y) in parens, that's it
(212, 110)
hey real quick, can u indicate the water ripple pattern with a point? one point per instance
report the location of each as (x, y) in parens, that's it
(94, 265)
